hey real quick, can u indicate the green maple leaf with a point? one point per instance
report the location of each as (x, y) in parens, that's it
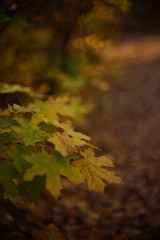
(53, 166)
(30, 132)
(6, 122)
(32, 189)
(91, 167)
(17, 154)
(7, 180)
(3, 148)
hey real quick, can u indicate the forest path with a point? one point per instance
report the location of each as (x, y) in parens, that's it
(126, 124)
(128, 81)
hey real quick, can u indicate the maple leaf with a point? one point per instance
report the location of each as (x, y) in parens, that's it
(46, 110)
(7, 137)
(62, 106)
(17, 154)
(17, 109)
(68, 141)
(66, 144)
(31, 133)
(53, 166)
(6, 122)
(32, 108)
(39, 118)
(32, 189)
(91, 168)
(3, 148)
(68, 128)
(76, 105)
(52, 109)
(7, 88)
(69, 106)
(7, 177)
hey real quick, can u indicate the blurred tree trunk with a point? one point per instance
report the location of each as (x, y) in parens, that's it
(62, 15)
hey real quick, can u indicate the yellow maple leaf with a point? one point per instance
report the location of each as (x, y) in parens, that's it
(55, 107)
(70, 106)
(65, 144)
(52, 108)
(68, 128)
(47, 110)
(68, 141)
(91, 167)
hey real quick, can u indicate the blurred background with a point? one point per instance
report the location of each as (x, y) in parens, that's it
(54, 44)
(107, 52)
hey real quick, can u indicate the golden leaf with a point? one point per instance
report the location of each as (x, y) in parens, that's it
(68, 128)
(91, 167)
(65, 144)
(69, 141)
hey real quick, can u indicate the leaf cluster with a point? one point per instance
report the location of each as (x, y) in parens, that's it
(39, 146)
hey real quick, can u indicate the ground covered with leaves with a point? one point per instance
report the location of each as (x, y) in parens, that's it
(125, 124)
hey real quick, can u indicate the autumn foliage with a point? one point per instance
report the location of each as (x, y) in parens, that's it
(39, 146)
